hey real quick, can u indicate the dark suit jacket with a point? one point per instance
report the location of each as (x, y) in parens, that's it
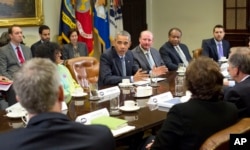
(171, 58)
(240, 96)
(189, 124)
(111, 67)
(9, 63)
(209, 48)
(56, 131)
(34, 46)
(141, 60)
(68, 51)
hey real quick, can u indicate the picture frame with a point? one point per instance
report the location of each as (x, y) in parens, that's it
(21, 12)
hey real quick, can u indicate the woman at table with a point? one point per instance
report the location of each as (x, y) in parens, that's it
(189, 124)
(74, 48)
(52, 51)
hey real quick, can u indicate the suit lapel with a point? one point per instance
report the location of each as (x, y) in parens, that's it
(214, 48)
(176, 54)
(13, 54)
(143, 57)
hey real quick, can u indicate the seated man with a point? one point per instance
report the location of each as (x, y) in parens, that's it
(173, 52)
(148, 58)
(239, 62)
(117, 63)
(44, 33)
(39, 90)
(216, 47)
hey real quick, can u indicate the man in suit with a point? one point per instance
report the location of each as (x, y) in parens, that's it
(117, 63)
(173, 52)
(216, 47)
(12, 56)
(148, 58)
(47, 127)
(44, 33)
(239, 62)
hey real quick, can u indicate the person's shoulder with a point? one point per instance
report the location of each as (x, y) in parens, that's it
(208, 40)
(135, 49)
(81, 43)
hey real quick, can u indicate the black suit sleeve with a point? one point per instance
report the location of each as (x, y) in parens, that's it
(106, 77)
(171, 131)
(167, 60)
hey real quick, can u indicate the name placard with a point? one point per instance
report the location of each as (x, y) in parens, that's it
(115, 90)
(154, 100)
(86, 118)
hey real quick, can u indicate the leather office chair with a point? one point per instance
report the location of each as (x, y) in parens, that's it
(83, 69)
(220, 140)
(197, 52)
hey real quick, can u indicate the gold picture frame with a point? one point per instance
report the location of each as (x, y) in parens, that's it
(21, 12)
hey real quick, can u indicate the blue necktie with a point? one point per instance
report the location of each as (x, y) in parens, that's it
(220, 50)
(150, 61)
(123, 66)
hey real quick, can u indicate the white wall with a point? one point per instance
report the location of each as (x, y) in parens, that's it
(51, 11)
(195, 18)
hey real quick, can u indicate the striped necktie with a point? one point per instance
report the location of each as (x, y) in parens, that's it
(181, 54)
(123, 66)
(20, 55)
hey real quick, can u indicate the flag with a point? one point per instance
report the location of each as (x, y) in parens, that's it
(67, 20)
(115, 18)
(101, 24)
(84, 23)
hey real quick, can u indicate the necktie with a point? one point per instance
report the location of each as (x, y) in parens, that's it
(150, 60)
(220, 50)
(20, 56)
(181, 54)
(123, 66)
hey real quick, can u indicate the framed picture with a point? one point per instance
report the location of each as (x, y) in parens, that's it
(21, 12)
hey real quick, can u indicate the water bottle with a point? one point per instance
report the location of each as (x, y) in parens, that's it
(179, 84)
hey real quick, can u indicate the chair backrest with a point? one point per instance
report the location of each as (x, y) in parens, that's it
(220, 140)
(197, 52)
(84, 69)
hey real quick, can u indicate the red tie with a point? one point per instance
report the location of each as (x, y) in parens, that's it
(20, 56)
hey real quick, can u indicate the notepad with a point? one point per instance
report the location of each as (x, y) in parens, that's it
(111, 122)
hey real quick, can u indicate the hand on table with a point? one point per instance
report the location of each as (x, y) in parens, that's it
(140, 75)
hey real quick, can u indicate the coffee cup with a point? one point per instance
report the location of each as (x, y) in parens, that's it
(130, 103)
(125, 81)
(16, 124)
(25, 119)
(131, 118)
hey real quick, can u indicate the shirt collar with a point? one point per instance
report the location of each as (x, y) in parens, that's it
(143, 50)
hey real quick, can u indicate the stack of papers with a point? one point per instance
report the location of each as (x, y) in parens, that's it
(169, 103)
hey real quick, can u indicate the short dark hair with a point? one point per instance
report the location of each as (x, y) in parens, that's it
(71, 31)
(47, 50)
(204, 79)
(43, 27)
(10, 29)
(218, 26)
(172, 29)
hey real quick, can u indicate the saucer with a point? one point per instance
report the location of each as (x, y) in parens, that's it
(129, 109)
(147, 95)
(16, 114)
(125, 84)
(223, 60)
(79, 94)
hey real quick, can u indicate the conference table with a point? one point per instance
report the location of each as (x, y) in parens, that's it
(143, 119)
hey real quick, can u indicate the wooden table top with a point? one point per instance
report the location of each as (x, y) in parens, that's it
(142, 119)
